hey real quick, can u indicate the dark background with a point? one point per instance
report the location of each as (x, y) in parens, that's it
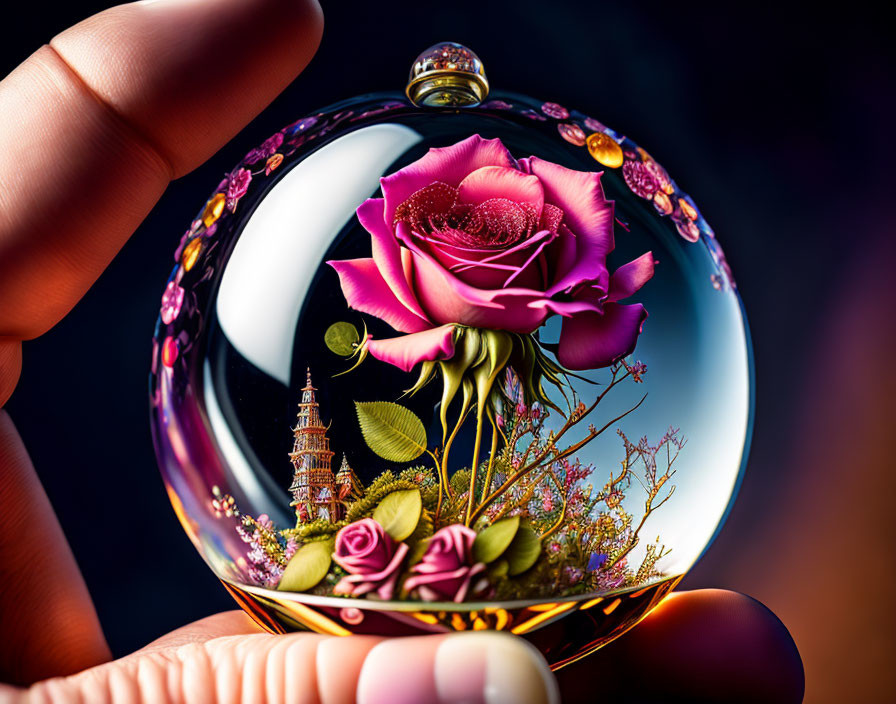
(777, 119)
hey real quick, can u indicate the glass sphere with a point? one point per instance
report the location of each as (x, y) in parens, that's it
(356, 446)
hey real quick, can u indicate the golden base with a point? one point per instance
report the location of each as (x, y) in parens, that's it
(564, 631)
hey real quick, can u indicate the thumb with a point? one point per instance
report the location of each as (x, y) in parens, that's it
(486, 667)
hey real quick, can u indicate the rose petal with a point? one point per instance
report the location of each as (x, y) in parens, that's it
(365, 290)
(501, 182)
(490, 268)
(453, 585)
(568, 309)
(386, 253)
(562, 255)
(589, 340)
(587, 213)
(447, 299)
(630, 277)
(447, 164)
(406, 351)
(383, 580)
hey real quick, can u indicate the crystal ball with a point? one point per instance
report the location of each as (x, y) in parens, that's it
(426, 368)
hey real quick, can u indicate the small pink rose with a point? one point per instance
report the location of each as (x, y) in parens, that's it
(268, 147)
(640, 178)
(554, 110)
(172, 300)
(237, 187)
(371, 557)
(447, 570)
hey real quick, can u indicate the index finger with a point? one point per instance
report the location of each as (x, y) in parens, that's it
(92, 128)
(96, 123)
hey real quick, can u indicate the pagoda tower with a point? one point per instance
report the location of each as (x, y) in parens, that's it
(347, 483)
(314, 486)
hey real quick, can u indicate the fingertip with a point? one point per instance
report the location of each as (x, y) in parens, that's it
(483, 667)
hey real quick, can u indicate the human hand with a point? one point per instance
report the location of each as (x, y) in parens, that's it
(106, 115)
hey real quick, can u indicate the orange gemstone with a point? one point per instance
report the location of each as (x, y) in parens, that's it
(213, 209)
(605, 150)
(662, 203)
(170, 350)
(687, 209)
(191, 253)
(273, 162)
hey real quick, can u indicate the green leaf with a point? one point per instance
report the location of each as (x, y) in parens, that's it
(391, 431)
(307, 567)
(399, 512)
(523, 551)
(498, 569)
(417, 551)
(491, 542)
(342, 338)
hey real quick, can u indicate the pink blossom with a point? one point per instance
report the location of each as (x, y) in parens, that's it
(595, 125)
(554, 110)
(447, 570)
(640, 178)
(237, 187)
(267, 148)
(172, 300)
(657, 171)
(468, 235)
(370, 556)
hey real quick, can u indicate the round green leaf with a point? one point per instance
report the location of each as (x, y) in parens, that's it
(342, 338)
(399, 512)
(391, 430)
(523, 551)
(307, 567)
(491, 542)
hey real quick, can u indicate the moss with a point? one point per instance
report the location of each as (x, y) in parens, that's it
(321, 529)
(377, 491)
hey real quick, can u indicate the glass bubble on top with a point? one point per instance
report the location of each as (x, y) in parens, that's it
(324, 471)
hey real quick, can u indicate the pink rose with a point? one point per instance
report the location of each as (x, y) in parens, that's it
(446, 571)
(237, 187)
(371, 557)
(268, 147)
(172, 300)
(640, 178)
(468, 235)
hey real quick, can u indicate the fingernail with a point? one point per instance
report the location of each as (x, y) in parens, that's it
(467, 668)
(492, 668)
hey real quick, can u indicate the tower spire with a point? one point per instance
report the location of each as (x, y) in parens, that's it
(347, 482)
